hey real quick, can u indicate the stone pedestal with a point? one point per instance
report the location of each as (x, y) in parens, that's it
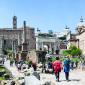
(24, 47)
(33, 56)
(19, 48)
(23, 55)
(22, 52)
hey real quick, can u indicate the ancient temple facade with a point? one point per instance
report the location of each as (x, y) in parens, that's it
(12, 38)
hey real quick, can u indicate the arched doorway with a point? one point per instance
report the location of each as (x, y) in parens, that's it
(46, 48)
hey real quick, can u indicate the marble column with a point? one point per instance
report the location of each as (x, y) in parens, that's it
(1, 46)
(24, 32)
(37, 44)
(42, 46)
(13, 45)
(50, 47)
(24, 45)
(19, 41)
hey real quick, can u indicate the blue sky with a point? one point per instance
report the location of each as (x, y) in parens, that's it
(44, 14)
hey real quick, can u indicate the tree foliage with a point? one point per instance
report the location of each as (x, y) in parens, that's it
(66, 52)
(73, 51)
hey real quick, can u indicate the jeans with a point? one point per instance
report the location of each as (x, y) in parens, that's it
(67, 75)
(57, 75)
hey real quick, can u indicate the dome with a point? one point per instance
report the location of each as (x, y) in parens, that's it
(81, 23)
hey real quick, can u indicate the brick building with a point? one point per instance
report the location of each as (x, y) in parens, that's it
(12, 38)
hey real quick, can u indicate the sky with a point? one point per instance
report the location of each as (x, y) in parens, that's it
(43, 14)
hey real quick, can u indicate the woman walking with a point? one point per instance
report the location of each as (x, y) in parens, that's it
(67, 67)
(57, 68)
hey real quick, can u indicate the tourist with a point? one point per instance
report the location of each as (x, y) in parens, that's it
(83, 65)
(76, 63)
(49, 63)
(79, 64)
(72, 65)
(67, 67)
(57, 68)
(13, 83)
(19, 66)
(3, 60)
(34, 66)
(30, 64)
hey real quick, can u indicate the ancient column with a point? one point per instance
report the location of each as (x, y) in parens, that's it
(24, 46)
(42, 46)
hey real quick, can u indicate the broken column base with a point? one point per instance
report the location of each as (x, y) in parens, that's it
(24, 55)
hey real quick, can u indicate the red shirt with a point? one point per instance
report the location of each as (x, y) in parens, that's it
(56, 66)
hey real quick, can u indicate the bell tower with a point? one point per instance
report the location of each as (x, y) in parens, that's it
(14, 22)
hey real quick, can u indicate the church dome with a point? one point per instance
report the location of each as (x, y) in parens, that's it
(81, 24)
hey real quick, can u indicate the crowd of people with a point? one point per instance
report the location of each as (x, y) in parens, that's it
(57, 66)
(22, 65)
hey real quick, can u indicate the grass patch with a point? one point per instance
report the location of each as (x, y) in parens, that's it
(4, 73)
(2, 68)
(2, 78)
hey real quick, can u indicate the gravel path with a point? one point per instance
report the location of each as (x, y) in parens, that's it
(77, 77)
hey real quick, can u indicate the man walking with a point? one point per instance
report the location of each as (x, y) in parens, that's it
(67, 67)
(57, 68)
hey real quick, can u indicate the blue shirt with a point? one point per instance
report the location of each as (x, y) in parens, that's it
(66, 65)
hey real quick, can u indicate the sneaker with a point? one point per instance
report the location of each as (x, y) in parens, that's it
(57, 80)
(67, 80)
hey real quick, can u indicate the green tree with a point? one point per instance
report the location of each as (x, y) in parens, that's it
(66, 52)
(73, 51)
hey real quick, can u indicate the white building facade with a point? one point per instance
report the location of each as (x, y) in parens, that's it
(46, 41)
